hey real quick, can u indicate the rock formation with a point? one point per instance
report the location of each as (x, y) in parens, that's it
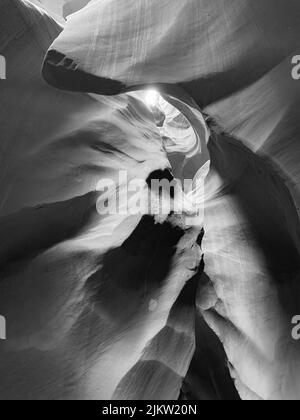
(136, 307)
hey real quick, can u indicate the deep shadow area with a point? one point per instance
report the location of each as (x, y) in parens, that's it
(150, 237)
(208, 377)
(33, 230)
(62, 73)
(130, 274)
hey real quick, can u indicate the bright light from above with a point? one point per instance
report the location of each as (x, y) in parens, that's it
(152, 98)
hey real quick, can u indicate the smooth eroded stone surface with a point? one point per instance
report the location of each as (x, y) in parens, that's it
(221, 47)
(234, 57)
(123, 307)
(85, 296)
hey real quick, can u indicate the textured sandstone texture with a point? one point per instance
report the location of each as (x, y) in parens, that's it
(123, 307)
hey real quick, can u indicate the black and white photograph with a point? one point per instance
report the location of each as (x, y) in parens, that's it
(149, 203)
